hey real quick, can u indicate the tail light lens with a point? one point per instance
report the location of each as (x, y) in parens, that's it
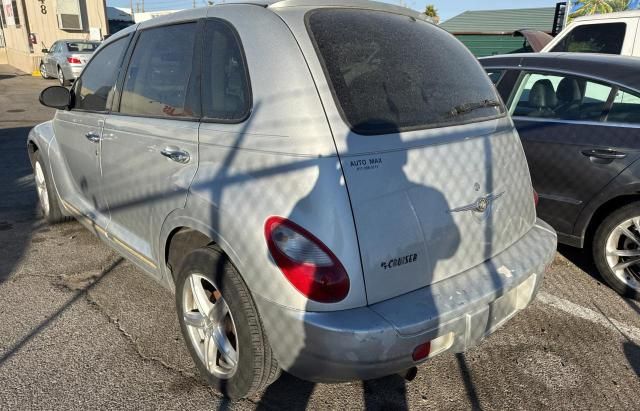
(73, 60)
(306, 262)
(422, 351)
(535, 198)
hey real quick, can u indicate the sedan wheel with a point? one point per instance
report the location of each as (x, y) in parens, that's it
(61, 79)
(623, 252)
(43, 71)
(616, 250)
(212, 330)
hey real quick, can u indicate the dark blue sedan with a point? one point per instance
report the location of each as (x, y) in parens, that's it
(578, 116)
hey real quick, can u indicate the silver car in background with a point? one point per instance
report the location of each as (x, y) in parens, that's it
(66, 59)
(331, 188)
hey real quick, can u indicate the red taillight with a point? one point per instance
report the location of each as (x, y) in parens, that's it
(422, 351)
(307, 263)
(73, 60)
(535, 198)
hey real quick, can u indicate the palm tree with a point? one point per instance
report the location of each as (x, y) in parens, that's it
(589, 7)
(432, 12)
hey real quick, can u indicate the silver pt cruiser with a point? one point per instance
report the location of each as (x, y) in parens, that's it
(330, 188)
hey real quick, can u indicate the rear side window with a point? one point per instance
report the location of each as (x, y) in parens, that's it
(606, 38)
(561, 97)
(625, 108)
(94, 88)
(159, 73)
(225, 87)
(386, 68)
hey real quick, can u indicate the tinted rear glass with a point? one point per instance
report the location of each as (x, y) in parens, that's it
(386, 68)
(82, 47)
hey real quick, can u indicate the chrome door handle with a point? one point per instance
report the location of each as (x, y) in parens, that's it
(175, 154)
(604, 154)
(93, 136)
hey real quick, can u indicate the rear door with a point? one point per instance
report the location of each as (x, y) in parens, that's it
(435, 172)
(150, 143)
(573, 149)
(79, 132)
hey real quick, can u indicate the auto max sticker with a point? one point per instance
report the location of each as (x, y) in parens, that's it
(396, 262)
(366, 163)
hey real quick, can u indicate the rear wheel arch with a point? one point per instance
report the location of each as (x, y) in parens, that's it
(604, 210)
(180, 241)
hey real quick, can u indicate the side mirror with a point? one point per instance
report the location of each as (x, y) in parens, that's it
(45, 51)
(56, 97)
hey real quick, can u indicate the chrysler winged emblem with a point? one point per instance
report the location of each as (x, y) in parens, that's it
(480, 205)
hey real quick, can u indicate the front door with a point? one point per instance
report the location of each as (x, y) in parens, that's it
(574, 143)
(79, 134)
(150, 141)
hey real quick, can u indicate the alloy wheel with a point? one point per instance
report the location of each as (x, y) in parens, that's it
(623, 252)
(211, 328)
(41, 186)
(43, 71)
(61, 77)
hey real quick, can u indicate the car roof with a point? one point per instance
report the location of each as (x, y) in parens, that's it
(282, 4)
(609, 16)
(77, 41)
(620, 70)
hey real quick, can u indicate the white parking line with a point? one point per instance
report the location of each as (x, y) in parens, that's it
(633, 333)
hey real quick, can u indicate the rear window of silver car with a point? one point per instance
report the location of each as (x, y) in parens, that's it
(82, 47)
(388, 69)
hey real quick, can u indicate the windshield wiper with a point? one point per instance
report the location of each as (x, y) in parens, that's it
(469, 107)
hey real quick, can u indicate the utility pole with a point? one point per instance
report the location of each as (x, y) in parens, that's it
(194, 4)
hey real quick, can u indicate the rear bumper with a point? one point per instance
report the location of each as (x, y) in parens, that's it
(379, 340)
(72, 72)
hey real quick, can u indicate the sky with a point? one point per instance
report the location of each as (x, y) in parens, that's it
(446, 8)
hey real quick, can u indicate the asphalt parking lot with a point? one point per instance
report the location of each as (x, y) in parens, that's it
(82, 328)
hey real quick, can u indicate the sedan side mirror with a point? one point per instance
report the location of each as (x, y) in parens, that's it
(45, 51)
(56, 97)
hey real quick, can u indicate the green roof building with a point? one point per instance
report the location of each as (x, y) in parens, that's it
(489, 32)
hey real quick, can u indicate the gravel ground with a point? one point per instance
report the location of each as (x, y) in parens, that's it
(80, 327)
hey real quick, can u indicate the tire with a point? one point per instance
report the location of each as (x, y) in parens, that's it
(208, 273)
(614, 237)
(48, 199)
(43, 71)
(63, 81)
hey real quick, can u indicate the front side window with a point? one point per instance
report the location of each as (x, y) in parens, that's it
(95, 86)
(159, 73)
(561, 97)
(606, 38)
(390, 72)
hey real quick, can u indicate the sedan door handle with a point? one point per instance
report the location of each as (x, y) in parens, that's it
(604, 154)
(93, 136)
(175, 154)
